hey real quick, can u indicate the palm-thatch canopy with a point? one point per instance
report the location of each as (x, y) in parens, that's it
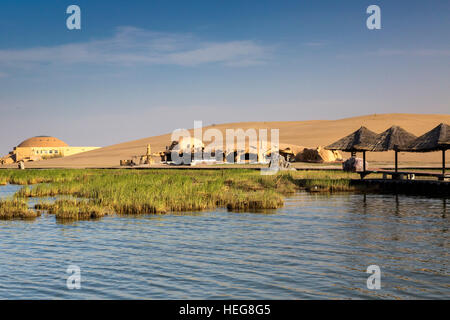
(361, 140)
(393, 138)
(434, 140)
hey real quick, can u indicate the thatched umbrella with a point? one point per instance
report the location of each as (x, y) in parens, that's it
(361, 140)
(434, 140)
(392, 139)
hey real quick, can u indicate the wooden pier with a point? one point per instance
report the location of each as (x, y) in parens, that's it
(408, 175)
(429, 188)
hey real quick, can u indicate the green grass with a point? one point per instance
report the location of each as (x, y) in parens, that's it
(160, 191)
(16, 209)
(325, 174)
(29, 177)
(130, 191)
(74, 209)
(325, 185)
(328, 180)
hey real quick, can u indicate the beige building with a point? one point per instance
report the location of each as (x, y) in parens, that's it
(42, 147)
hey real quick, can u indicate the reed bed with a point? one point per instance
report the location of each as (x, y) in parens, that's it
(324, 185)
(16, 209)
(30, 177)
(74, 209)
(324, 175)
(256, 201)
(161, 191)
(328, 180)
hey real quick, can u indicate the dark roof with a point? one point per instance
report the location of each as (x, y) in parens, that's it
(435, 139)
(361, 140)
(393, 138)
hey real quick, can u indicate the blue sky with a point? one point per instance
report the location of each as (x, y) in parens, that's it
(141, 68)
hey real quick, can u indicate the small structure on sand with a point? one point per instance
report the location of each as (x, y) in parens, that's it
(397, 139)
(21, 165)
(290, 151)
(393, 138)
(182, 147)
(41, 148)
(437, 139)
(147, 158)
(7, 160)
(362, 140)
(319, 155)
(354, 164)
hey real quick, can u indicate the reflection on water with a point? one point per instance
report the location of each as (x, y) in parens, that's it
(8, 191)
(317, 246)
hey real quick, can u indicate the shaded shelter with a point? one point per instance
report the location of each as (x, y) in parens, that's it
(361, 140)
(434, 140)
(393, 138)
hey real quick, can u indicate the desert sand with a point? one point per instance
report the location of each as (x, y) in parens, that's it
(304, 133)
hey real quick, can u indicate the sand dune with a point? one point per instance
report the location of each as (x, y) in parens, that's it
(305, 133)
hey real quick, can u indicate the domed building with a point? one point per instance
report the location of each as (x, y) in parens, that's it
(42, 142)
(43, 147)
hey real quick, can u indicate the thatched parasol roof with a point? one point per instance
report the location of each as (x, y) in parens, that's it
(393, 138)
(361, 140)
(436, 139)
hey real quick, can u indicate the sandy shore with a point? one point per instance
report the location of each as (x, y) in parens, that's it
(304, 133)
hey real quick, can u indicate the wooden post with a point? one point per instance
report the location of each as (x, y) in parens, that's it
(364, 161)
(396, 161)
(443, 162)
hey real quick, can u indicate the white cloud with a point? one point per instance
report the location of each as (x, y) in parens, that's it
(315, 44)
(434, 53)
(133, 46)
(412, 52)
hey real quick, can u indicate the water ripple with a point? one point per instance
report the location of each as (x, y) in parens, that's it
(317, 246)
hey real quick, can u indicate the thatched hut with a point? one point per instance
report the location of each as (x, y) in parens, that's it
(361, 140)
(393, 138)
(434, 140)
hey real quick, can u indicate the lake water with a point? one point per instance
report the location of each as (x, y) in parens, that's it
(317, 246)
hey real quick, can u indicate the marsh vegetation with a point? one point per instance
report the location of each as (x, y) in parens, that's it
(16, 209)
(127, 191)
